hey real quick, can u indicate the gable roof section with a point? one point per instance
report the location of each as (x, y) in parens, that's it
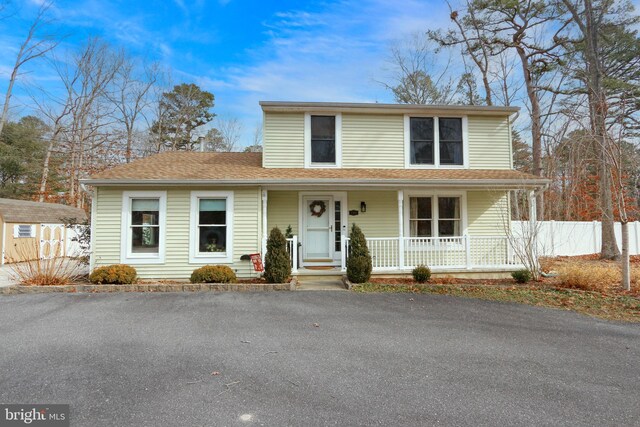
(196, 168)
(27, 212)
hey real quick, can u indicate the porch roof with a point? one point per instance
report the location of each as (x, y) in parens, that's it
(195, 168)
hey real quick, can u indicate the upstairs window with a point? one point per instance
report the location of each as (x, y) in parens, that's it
(450, 132)
(435, 141)
(422, 141)
(323, 139)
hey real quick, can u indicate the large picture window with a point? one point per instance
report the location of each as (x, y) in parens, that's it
(211, 227)
(435, 216)
(435, 141)
(143, 227)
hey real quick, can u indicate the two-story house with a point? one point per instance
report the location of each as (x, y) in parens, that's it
(426, 184)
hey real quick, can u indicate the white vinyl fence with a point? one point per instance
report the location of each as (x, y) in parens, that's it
(566, 238)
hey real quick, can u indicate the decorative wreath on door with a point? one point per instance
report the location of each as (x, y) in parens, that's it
(317, 208)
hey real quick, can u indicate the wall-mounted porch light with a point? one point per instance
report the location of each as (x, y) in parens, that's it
(363, 207)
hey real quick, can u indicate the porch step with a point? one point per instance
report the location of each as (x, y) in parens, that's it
(321, 285)
(308, 278)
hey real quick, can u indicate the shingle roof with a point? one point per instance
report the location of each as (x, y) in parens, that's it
(245, 168)
(24, 211)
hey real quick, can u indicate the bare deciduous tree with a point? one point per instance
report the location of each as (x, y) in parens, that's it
(34, 46)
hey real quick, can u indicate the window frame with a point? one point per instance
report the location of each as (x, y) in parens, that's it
(436, 142)
(195, 256)
(435, 215)
(307, 141)
(127, 256)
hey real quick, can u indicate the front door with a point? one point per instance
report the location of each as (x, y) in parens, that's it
(318, 240)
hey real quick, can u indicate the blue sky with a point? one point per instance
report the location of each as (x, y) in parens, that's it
(242, 51)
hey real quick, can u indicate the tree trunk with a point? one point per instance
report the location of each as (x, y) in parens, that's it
(626, 279)
(7, 98)
(45, 170)
(536, 126)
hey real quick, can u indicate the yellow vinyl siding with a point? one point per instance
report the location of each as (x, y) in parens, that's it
(381, 218)
(489, 141)
(107, 227)
(283, 140)
(487, 213)
(372, 141)
(282, 210)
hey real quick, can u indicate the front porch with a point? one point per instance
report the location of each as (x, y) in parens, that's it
(400, 255)
(448, 230)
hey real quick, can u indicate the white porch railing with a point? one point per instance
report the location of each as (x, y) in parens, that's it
(292, 248)
(438, 253)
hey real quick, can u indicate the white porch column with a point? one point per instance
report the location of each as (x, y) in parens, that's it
(400, 230)
(264, 224)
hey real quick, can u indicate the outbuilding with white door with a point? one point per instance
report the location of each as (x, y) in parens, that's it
(30, 230)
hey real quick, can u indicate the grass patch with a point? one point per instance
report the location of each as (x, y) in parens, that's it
(610, 306)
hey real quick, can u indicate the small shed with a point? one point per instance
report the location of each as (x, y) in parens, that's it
(30, 230)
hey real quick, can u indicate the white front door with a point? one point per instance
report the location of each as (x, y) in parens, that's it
(318, 217)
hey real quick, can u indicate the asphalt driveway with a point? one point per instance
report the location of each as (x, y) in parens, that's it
(315, 358)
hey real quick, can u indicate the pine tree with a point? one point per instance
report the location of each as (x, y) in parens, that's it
(359, 260)
(277, 267)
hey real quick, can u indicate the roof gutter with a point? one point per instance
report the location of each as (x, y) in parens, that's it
(498, 183)
(373, 108)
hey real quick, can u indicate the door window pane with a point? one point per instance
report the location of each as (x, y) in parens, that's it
(323, 139)
(421, 140)
(450, 131)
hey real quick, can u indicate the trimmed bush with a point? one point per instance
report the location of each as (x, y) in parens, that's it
(117, 274)
(277, 268)
(421, 274)
(213, 274)
(359, 260)
(521, 276)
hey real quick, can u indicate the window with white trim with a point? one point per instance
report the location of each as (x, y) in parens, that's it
(435, 216)
(323, 145)
(143, 227)
(435, 141)
(211, 226)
